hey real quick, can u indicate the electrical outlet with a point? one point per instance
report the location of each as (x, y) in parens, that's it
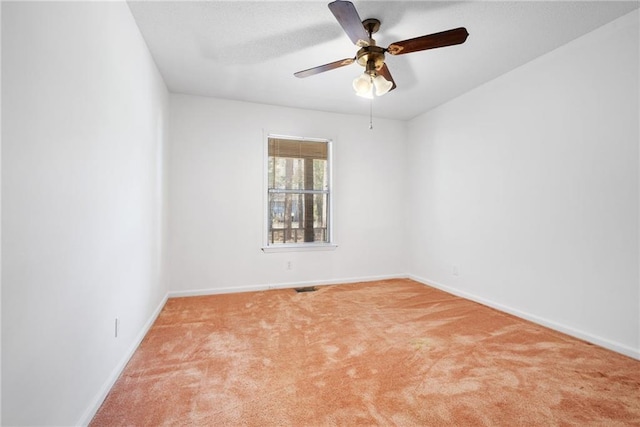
(289, 266)
(117, 327)
(455, 271)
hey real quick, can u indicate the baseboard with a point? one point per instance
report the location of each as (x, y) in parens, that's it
(115, 374)
(602, 342)
(285, 285)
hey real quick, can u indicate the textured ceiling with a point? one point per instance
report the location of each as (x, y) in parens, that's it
(249, 50)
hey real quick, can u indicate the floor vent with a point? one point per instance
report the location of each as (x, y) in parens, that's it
(306, 289)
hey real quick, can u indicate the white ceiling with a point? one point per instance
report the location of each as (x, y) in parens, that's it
(249, 50)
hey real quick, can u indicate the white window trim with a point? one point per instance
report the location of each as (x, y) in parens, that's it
(300, 247)
(295, 247)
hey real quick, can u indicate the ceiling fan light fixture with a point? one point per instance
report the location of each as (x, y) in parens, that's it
(382, 85)
(363, 86)
(371, 56)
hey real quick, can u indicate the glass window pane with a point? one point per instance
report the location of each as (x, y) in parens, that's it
(320, 175)
(298, 166)
(297, 218)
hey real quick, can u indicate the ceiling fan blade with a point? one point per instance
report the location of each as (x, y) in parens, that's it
(384, 72)
(431, 41)
(347, 16)
(326, 67)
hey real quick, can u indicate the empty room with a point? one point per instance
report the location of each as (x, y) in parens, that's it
(320, 213)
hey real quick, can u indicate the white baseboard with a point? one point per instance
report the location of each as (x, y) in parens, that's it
(602, 342)
(91, 411)
(286, 285)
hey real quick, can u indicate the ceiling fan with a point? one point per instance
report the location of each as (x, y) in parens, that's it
(370, 56)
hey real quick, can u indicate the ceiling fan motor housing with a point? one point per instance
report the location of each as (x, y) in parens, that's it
(371, 57)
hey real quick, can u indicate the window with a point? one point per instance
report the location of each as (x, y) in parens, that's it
(298, 192)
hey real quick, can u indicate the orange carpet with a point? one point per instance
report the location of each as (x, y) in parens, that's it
(379, 353)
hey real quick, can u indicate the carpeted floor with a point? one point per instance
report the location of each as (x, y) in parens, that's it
(378, 353)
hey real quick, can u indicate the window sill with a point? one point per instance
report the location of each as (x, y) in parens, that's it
(300, 247)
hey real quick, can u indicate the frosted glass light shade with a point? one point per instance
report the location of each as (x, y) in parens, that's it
(382, 85)
(363, 86)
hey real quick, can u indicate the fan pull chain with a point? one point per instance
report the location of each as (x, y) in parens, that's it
(371, 115)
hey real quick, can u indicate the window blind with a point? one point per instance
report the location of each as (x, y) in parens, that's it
(295, 149)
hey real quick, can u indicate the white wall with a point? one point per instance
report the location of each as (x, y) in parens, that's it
(0, 215)
(84, 126)
(529, 185)
(216, 196)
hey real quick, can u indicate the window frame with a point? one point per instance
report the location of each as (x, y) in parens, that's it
(303, 246)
